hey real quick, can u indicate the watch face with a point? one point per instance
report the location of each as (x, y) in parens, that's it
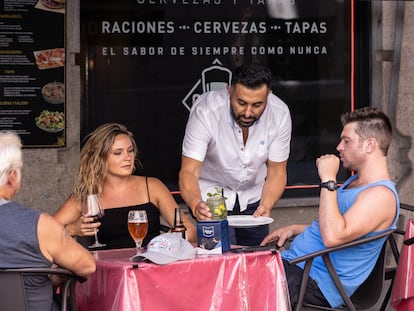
(330, 185)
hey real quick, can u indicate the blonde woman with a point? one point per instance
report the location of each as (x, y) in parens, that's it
(107, 163)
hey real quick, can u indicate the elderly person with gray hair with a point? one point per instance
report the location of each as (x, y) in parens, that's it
(30, 238)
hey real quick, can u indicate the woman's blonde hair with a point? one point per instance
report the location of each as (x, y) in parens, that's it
(93, 164)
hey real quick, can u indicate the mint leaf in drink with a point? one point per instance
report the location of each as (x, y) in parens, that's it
(218, 193)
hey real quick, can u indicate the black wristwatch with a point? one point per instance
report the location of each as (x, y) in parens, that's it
(330, 185)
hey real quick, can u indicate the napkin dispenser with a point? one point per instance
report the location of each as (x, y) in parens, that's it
(213, 237)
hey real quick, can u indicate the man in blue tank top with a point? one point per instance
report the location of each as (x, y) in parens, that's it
(29, 238)
(366, 204)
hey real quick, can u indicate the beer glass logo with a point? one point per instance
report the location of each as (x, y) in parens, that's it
(215, 77)
(208, 232)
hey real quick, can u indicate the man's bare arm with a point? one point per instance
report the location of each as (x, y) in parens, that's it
(60, 248)
(273, 187)
(190, 189)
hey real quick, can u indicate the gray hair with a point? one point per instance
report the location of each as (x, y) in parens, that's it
(10, 154)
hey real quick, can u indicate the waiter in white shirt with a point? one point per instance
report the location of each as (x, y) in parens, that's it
(237, 139)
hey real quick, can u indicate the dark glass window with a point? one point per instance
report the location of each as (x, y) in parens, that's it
(144, 63)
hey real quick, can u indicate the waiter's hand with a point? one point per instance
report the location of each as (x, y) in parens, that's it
(202, 212)
(261, 211)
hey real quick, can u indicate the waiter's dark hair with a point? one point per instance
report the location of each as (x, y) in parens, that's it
(252, 76)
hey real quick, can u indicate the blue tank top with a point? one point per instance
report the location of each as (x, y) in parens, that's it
(19, 246)
(352, 264)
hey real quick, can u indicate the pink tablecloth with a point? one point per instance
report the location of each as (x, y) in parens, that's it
(252, 281)
(403, 291)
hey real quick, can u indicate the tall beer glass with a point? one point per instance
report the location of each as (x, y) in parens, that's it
(138, 227)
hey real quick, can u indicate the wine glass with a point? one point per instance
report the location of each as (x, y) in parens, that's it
(94, 209)
(138, 227)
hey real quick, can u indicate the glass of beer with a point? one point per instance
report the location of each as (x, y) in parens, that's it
(138, 227)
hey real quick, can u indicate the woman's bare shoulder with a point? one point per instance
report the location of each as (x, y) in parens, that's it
(141, 182)
(154, 181)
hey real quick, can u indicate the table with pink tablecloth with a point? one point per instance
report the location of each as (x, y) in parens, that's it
(402, 298)
(242, 281)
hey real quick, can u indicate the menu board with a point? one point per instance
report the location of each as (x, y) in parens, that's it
(32, 71)
(145, 62)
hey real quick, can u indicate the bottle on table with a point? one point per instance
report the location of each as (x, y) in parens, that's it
(178, 224)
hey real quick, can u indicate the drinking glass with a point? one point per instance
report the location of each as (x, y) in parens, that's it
(94, 209)
(138, 227)
(217, 206)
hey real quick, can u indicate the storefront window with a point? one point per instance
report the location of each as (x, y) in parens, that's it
(144, 63)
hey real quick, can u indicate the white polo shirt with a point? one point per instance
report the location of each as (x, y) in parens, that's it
(214, 138)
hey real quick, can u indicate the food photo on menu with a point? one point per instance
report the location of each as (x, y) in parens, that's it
(51, 5)
(51, 121)
(52, 58)
(54, 92)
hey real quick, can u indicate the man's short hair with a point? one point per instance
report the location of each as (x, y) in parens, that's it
(252, 76)
(371, 122)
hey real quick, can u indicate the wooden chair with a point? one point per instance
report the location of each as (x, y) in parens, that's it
(366, 297)
(13, 294)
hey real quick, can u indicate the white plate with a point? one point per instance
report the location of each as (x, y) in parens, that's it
(50, 130)
(245, 221)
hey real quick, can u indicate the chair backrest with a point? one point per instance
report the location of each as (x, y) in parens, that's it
(12, 293)
(12, 289)
(368, 293)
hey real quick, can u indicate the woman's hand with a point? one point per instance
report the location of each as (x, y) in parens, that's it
(84, 226)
